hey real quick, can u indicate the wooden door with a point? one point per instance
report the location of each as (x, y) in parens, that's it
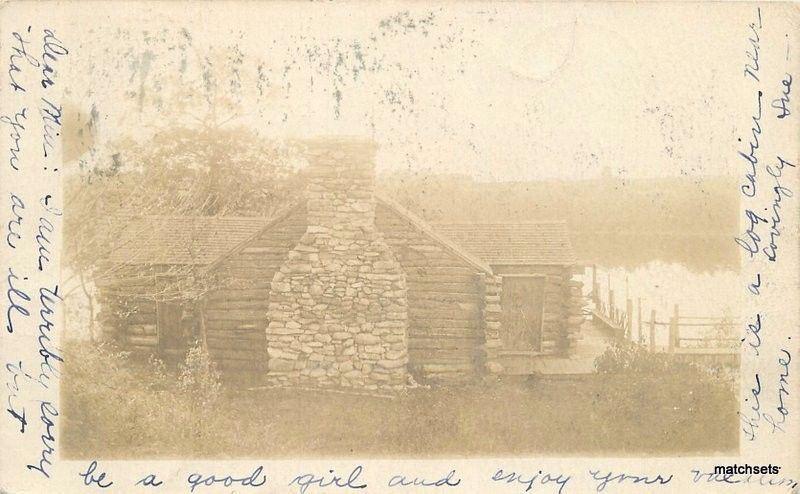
(522, 302)
(170, 332)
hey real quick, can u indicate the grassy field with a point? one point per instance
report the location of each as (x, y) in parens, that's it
(115, 408)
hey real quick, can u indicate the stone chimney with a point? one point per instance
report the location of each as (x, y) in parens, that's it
(338, 312)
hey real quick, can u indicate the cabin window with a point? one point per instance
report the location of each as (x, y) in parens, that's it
(522, 303)
(170, 335)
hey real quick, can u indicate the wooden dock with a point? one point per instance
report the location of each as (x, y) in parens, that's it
(594, 341)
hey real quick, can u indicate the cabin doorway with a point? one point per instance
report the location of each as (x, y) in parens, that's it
(522, 302)
(171, 338)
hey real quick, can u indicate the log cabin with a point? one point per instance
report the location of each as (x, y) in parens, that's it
(541, 304)
(345, 287)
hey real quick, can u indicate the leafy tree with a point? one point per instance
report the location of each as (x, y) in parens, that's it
(201, 161)
(190, 172)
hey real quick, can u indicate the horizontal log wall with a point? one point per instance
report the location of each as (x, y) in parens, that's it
(444, 305)
(127, 309)
(129, 315)
(236, 313)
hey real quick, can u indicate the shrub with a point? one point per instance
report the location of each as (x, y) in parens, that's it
(635, 386)
(199, 379)
(626, 357)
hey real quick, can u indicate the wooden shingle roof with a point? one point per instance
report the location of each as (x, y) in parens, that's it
(202, 240)
(196, 240)
(542, 243)
(413, 219)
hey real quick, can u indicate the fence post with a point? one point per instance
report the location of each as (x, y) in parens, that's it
(611, 308)
(627, 291)
(652, 330)
(629, 318)
(639, 319)
(673, 330)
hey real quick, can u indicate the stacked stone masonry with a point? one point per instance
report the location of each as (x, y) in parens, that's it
(338, 310)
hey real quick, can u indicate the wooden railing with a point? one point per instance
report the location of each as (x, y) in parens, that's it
(621, 322)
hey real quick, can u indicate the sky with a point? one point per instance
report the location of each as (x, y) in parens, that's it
(499, 92)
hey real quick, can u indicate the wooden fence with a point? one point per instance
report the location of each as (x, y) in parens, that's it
(621, 320)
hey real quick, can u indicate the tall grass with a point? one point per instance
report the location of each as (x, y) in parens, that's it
(120, 406)
(109, 394)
